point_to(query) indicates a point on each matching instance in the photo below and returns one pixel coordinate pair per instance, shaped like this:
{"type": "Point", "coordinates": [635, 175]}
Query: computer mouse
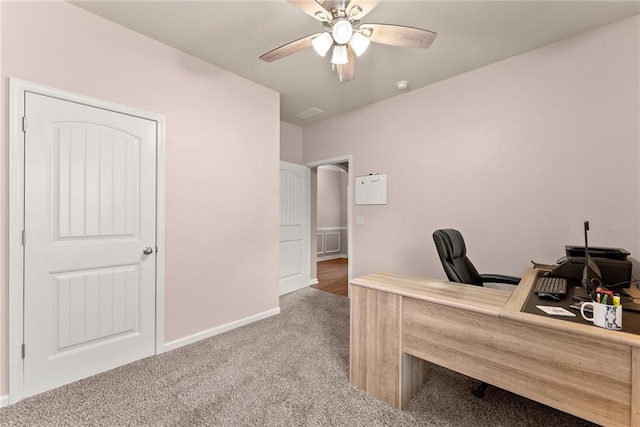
{"type": "Point", "coordinates": [554, 297]}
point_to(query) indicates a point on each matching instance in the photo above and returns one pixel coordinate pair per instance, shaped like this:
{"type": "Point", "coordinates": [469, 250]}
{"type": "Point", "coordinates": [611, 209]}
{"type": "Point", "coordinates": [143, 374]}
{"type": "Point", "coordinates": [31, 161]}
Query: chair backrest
{"type": "Point", "coordinates": [453, 255]}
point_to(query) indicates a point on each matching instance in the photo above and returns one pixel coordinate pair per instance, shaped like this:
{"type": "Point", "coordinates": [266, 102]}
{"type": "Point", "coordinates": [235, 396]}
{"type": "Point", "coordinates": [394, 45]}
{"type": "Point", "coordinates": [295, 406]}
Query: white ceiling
{"type": "Point", "coordinates": [471, 34]}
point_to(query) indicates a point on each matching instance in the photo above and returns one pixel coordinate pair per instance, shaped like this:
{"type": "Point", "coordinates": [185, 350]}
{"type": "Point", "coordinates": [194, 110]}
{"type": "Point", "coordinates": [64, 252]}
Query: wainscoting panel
{"type": "Point", "coordinates": [330, 242]}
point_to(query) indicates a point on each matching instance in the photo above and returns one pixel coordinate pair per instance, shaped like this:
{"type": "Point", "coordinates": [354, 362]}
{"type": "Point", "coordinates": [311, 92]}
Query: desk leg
{"type": "Point", "coordinates": [414, 374]}
{"type": "Point", "coordinates": [377, 363]}
{"type": "Point", "coordinates": [375, 356]}
{"type": "Point", "coordinates": [635, 386]}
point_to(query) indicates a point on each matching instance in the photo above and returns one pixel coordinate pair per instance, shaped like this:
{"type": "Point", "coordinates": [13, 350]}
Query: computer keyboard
{"type": "Point", "coordinates": [551, 285]}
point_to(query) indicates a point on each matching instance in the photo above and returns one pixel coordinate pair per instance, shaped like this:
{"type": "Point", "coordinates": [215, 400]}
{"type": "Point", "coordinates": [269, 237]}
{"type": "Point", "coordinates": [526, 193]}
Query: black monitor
{"type": "Point", "coordinates": [591, 277]}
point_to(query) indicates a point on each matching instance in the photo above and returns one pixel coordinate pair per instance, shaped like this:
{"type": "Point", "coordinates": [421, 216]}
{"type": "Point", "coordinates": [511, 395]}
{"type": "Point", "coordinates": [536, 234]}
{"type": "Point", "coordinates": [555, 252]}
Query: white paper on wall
{"type": "Point", "coordinates": [371, 189]}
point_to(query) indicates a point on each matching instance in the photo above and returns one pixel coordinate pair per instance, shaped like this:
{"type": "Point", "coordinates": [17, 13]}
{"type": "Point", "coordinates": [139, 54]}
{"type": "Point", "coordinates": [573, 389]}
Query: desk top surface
{"type": "Point", "coordinates": [494, 302]}
{"type": "Point", "coordinates": [469, 297]}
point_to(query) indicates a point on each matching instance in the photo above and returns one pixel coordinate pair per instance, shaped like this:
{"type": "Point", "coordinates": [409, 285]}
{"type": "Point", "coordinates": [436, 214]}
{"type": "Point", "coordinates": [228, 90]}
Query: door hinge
{"type": "Point", "coordinates": [24, 123]}
{"type": "Point", "coordinates": [23, 350]}
{"type": "Point", "coordinates": [24, 237]}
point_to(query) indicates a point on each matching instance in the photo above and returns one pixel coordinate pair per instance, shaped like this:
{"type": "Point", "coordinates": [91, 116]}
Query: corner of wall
{"type": "Point", "coordinates": [290, 143]}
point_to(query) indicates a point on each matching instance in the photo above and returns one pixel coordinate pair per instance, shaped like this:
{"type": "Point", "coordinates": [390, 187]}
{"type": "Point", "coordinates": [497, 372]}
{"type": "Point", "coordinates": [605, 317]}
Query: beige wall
{"type": "Point", "coordinates": [290, 143]}
{"type": "Point", "coordinates": [330, 208]}
{"type": "Point", "coordinates": [221, 257]}
{"type": "Point", "coordinates": [515, 155]}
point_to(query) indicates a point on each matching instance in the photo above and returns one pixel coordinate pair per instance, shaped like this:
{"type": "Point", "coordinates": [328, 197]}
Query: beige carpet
{"type": "Point", "coordinates": [288, 370]}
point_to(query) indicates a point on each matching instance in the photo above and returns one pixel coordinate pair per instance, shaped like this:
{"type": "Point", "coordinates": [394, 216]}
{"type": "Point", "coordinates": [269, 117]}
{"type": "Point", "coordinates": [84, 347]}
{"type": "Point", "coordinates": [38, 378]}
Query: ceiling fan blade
{"type": "Point", "coordinates": [346, 72]}
{"type": "Point", "coordinates": [289, 48]}
{"type": "Point", "coordinates": [365, 7]}
{"type": "Point", "coordinates": [313, 9]}
{"type": "Point", "coordinates": [399, 35]}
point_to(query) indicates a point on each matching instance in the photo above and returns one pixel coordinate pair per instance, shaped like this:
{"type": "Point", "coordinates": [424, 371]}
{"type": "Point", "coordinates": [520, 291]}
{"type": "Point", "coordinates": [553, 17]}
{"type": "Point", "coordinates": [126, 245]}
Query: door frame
{"type": "Point", "coordinates": [332, 161]}
{"type": "Point", "coordinates": [17, 91]}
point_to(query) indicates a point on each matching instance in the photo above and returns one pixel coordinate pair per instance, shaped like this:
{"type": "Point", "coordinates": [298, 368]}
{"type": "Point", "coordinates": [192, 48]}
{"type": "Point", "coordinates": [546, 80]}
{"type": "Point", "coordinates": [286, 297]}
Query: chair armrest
{"type": "Point", "coordinates": [500, 278]}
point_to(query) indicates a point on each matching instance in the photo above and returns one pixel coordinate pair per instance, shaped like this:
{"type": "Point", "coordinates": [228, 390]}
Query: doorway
{"type": "Point", "coordinates": [87, 223]}
{"type": "Point", "coordinates": [331, 248]}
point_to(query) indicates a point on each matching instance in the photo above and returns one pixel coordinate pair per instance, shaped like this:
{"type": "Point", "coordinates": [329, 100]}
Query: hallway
{"type": "Point", "coordinates": [333, 276]}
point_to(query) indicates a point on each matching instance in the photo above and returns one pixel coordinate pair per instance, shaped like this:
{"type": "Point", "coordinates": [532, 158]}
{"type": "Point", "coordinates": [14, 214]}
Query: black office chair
{"type": "Point", "coordinates": [453, 255]}
{"type": "Point", "coordinates": [457, 266]}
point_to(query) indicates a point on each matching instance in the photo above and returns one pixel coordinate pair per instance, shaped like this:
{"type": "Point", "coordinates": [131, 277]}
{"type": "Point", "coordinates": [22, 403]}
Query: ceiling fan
{"type": "Point", "coordinates": [348, 37]}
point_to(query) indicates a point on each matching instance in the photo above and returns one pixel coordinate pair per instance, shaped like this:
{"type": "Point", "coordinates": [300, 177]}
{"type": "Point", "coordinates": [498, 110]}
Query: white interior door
{"type": "Point", "coordinates": [90, 212]}
{"type": "Point", "coordinates": [294, 227]}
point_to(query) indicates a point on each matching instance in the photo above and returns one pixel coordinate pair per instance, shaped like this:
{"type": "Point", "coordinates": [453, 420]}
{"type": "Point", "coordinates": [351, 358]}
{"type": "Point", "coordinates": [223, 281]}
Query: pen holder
{"type": "Point", "coordinates": [605, 316]}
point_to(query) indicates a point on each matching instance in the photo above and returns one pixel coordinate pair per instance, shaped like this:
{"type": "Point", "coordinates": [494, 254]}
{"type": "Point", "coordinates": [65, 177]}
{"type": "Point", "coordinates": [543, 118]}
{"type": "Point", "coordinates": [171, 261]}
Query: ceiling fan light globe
{"type": "Point", "coordinates": [322, 44]}
{"type": "Point", "coordinates": [359, 43]}
{"type": "Point", "coordinates": [342, 31]}
{"type": "Point", "coordinates": [339, 56]}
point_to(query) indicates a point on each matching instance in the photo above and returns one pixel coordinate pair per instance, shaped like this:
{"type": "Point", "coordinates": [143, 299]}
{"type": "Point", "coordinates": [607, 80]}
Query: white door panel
{"type": "Point", "coordinates": [90, 209]}
{"type": "Point", "coordinates": [294, 249]}
{"type": "Point", "coordinates": [96, 172]}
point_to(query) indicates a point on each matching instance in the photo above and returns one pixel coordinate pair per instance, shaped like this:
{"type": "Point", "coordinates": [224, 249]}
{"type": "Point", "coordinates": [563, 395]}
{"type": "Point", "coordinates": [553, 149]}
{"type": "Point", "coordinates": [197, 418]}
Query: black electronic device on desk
{"type": "Point", "coordinates": [609, 266]}
{"type": "Point", "coordinates": [598, 252]}
{"type": "Point", "coordinates": [612, 264]}
{"type": "Point", "coordinates": [553, 288]}
{"type": "Point", "coordinates": [553, 283]}
{"type": "Point", "coordinates": [613, 271]}
{"type": "Point", "coordinates": [579, 277]}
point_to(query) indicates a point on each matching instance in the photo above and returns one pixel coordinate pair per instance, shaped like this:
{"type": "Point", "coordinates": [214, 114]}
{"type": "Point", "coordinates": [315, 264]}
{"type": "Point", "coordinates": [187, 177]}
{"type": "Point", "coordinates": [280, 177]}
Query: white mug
{"type": "Point", "coordinates": [605, 316]}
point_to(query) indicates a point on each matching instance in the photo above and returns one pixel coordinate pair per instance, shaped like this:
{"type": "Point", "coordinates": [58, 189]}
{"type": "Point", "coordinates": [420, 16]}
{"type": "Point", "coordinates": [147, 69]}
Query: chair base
{"type": "Point", "coordinates": [479, 391]}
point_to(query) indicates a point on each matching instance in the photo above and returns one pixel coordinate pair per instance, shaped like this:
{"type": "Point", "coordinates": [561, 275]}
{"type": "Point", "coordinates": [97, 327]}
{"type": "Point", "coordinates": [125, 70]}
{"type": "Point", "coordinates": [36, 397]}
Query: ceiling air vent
{"type": "Point", "coordinates": [309, 113]}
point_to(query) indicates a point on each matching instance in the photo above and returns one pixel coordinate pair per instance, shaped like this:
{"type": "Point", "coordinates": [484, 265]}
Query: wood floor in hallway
{"type": "Point", "coordinates": [332, 276]}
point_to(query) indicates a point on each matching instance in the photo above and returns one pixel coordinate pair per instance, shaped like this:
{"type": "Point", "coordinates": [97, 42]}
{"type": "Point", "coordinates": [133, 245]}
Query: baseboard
{"type": "Point", "coordinates": [172, 345]}
{"type": "Point", "coordinates": [313, 282]}
{"type": "Point", "coordinates": [4, 401]}
{"type": "Point", "coordinates": [330, 257]}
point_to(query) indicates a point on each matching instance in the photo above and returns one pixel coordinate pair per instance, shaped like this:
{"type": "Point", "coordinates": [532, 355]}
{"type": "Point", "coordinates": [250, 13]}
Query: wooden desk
{"type": "Point", "coordinates": [398, 323]}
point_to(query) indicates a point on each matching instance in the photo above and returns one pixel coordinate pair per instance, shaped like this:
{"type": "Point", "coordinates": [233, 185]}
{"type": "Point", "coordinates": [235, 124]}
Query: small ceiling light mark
{"type": "Point", "coordinates": [402, 85]}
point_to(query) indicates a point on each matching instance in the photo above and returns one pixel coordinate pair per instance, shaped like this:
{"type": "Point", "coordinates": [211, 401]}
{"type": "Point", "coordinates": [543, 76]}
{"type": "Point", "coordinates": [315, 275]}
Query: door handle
{"type": "Point", "coordinates": [147, 251]}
